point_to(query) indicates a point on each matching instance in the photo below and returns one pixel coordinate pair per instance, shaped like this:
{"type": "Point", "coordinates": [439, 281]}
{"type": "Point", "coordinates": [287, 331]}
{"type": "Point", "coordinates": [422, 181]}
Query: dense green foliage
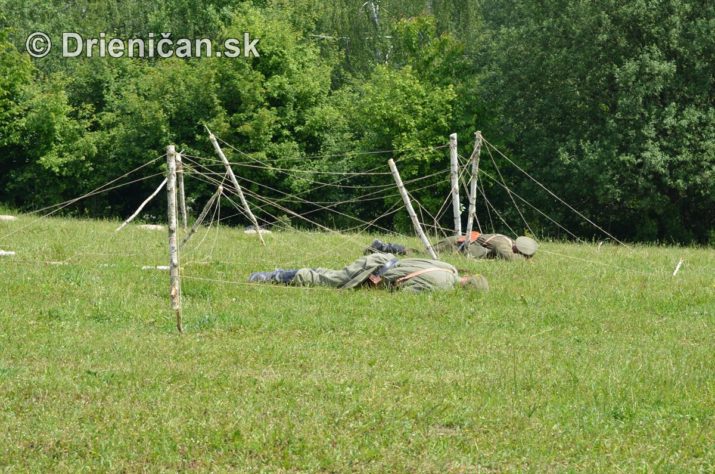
{"type": "Point", "coordinates": [615, 100]}
{"type": "Point", "coordinates": [537, 375]}
{"type": "Point", "coordinates": [610, 104]}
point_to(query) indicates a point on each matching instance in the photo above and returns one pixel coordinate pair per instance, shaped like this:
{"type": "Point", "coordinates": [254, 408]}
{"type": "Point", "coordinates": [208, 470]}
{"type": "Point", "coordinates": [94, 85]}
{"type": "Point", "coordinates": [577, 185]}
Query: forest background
{"type": "Point", "coordinates": [608, 103]}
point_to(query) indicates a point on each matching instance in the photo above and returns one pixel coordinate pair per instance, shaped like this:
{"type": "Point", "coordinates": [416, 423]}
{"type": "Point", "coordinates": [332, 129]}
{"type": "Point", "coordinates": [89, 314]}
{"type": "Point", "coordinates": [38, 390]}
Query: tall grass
{"type": "Point", "coordinates": [583, 359]}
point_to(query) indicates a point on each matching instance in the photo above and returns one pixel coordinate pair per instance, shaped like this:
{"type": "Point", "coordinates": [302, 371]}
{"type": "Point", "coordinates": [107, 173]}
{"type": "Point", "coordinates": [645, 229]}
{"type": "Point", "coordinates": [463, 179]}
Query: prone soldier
{"type": "Point", "coordinates": [493, 246]}
{"type": "Point", "coordinates": [381, 270]}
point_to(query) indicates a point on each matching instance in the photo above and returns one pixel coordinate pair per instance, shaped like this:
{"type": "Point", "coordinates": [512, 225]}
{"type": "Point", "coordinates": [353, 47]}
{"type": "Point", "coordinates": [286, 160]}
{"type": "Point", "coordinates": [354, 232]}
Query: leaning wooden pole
{"type": "Point", "coordinates": [175, 281]}
{"type": "Point", "coordinates": [411, 210]}
{"type": "Point", "coordinates": [239, 191]}
{"type": "Point", "coordinates": [473, 187]}
{"type": "Point", "coordinates": [454, 177]}
{"type": "Point", "coordinates": [182, 194]}
{"type": "Point", "coordinates": [202, 216]}
{"type": "Point", "coordinates": [141, 206]}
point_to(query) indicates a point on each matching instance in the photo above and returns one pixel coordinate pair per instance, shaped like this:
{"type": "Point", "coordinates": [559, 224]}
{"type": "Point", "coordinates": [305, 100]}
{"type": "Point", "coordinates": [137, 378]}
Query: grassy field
{"type": "Point", "coordinates": [583, 359]}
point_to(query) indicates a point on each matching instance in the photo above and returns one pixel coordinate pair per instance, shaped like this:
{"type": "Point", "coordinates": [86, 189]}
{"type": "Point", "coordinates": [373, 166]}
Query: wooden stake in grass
{"type": "Point", "coordinates": [677, 267]}
{"type": "Point", "coordinates": [454, 177]}
{"type": "Point", "coordinates": [141, 206]}
{"type": "Point", "coordinates": [410, 209]}
{"type": "Point", "coordinates": [175, 282]}
{"type": "Point", "coordinates": [202, 216]}
{"type": "Point", "coordinates": [237, 186]}
{"type": "Point", "coordinates": [473, 188]}
{"type": "Point", "coordinates": [182, 195]}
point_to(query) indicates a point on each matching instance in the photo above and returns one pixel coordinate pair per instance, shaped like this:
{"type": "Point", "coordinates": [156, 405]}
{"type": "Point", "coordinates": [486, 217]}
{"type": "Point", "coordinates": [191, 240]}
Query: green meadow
{"type": "Point", "coordinates": [586, 358]}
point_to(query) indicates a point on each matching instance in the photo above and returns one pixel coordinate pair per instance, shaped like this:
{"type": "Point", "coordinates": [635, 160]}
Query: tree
{"type": "Point", "coordinates": [611, 104]}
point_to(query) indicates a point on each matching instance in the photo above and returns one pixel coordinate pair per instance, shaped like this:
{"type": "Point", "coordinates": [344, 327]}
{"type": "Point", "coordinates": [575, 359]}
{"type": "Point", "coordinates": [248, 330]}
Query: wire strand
{"type": "Point", "coordinates": [580, 214]}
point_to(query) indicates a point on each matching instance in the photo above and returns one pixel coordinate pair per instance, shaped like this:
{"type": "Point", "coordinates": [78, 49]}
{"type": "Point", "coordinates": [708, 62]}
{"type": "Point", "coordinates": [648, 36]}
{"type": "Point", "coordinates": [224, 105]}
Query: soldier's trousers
{"type": "Point", "coordinates": [321, 277]}
{"type": "Point", "coordinates": [328, 277]}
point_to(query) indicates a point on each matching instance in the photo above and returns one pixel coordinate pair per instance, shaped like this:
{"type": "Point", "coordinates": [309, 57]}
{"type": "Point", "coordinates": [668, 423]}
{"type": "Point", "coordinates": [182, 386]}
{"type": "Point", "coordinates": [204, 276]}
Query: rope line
{"type": "Point", "coordinates": [287, 171]}
{"type": "Point", "coordinates": [443, 209]}
{"type": "Point", "coordinates": [274, 204]}
{"type": "Point", "coordinates": [554, 195]}
{"type": "Point", "coordinates": [195, 160]}
{"type": "Point", "coordinates": [494, 180]}
{"type": "Point", "coordinates": [272, 286]}
{"type": "Point", "coordinates": [508, 191]}
{"type": "Point", "coordinates": [339, 155]}
{"type": "Point", "coordinates": [489, 204]}
{"type": "Point", "coordinates": [72, 201]}
{"type": "Point", "coordinates": [329, 208]}
{"type": "Point", "coordinates": [99, 189]}
{"type": "Point", "coordinates": [608, 265]}
{"type": "Point", "coordinates": [298, 170]}
{"type": "Point", "coordinates": [308, 234]}
{"type": "Point", "coordinates": [466, 190]}
{"type": "Point", "coordinates": [330, 204]}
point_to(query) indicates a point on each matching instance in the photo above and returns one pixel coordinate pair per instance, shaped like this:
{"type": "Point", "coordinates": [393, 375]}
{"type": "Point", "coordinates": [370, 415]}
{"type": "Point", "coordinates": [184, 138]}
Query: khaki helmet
{"type": "Point", "coordinates": [475, 282]}
{"type": "Point", "coordinates": [526, 246]}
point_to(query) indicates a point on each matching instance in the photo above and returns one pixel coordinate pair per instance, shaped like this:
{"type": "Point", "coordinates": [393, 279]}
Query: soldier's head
{"type": "Point", "coordinates": [474, 282]}
{"type": "Point", "coordinates": [525, 246]}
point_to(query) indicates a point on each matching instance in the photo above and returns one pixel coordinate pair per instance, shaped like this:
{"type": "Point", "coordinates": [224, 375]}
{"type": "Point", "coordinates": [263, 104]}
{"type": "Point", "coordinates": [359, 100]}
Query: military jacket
{"type": "Point", "coordinates": [410, 274]}
{"type": "Point", "coordinates": [349, 277]}
{"type": "Point", "coordinates": [421, 274]}
{"type": "Point", "coordinates": [453, 244]}
{"type": "Point", "coordinates": [499, 246]}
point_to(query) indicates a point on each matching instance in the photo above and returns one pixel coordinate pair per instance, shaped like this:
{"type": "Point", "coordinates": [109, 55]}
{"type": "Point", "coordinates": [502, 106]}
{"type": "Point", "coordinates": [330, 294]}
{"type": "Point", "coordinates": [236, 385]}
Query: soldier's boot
{"type": "Point", "coordinates": [276, 276]}
{"type": "Point", "coordinates": [261, 277]}
{"type": "Point", "coordinates": [383, 247]}
{"type": "Point", "coordinates": [284, 276]}
{"type": "Point", "coordinates": [396, 249]}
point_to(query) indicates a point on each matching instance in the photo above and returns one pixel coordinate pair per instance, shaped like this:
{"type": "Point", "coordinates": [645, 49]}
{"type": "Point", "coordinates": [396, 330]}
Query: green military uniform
{"type": "Point", "coordinates": [410, 274]}
{"type": "Point", "coordinates": [349, 277]}
{"type": "Point", "coordinates": [481, 246]}
{"type": "Point", "coordinates": [498, 246]}
{"type": "Point", "coordinates": [454, 245]}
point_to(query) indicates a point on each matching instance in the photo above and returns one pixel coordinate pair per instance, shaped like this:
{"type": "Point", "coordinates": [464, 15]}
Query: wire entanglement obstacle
{"type": "Point", "coordinates": [258, 202]}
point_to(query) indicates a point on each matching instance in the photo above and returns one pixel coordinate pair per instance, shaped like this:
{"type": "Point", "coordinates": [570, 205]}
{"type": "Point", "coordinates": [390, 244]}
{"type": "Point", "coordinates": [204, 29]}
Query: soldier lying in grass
{"type": "Point", "coordinates": [480, 246]}
{"type": "Point", "coordinates": [380, 270]}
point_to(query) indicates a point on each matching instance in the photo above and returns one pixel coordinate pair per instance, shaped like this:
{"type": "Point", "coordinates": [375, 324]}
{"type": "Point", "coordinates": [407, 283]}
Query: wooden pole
{"type": "Point", "coordinates": [173, 248]}
{"type": "Point", "coordinates": [141, 206]}
{"type": "Point", "coordinates": [454, 176]}
{"type": "Point", "coordinates": [239, 191]}
{"type": "Point", "coordinates": [202, 216]}
{"type": "Point", "coordinates": [410, 209]}
{"type": "Point", "coordinates": [473, 188]}
{"type": "Point", "coordinates": [182, 195]}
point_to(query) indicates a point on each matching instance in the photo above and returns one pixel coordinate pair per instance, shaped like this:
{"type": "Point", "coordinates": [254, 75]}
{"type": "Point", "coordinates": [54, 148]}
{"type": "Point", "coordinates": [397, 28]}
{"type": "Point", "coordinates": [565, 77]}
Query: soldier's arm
{"type": "Point", "coordinates": [504, 250]}
{"type": "Point", "coordinates": [446, 245]}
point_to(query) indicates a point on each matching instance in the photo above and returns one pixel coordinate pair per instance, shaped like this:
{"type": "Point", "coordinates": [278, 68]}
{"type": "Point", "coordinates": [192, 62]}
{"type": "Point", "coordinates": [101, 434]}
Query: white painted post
{"type": "Point", "coordinates": [174, 279]}
{"type": "Point", "coordinates": [410, 209]}
{"type": "Point", "coordinates": [239, 191]}
{"type": "Point", "coordinates": [141, 206]}
{"type": "Point", "coordinates": [182, 195]}
{"type": "Point", "coordinates": [202, 216]}
{"type": "Point", "coordinates": [473, 188]}
{"type": "Point", "coordinates": [454, 176]}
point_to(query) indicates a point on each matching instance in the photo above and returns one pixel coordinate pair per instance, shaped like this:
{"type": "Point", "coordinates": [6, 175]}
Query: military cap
{"type": "Point", "coordinates": [476, 282]}
{"type": "Point", "coordinates": [526, 246]}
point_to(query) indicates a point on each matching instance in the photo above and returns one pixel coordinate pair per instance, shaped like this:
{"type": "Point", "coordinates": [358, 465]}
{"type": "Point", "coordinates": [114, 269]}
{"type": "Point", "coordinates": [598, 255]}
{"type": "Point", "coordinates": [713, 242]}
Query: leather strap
{"type": "Point", "coordinates": [421, 272]}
